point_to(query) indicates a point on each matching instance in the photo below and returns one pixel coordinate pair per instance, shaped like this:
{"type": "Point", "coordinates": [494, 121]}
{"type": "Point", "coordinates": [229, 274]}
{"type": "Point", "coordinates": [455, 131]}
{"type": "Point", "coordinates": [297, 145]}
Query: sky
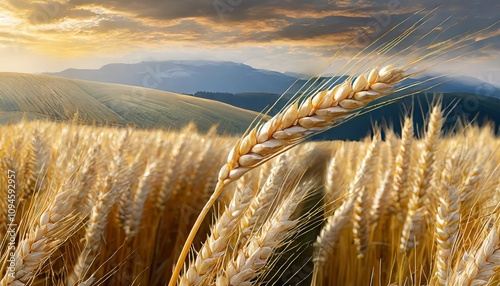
{"type": "Point", "coordinates": [294, 36]}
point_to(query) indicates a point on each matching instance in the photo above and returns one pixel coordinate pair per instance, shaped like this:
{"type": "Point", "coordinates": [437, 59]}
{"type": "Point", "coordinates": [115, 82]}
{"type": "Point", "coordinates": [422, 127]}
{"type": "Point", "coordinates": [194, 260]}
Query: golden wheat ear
{"type": "Point", "coordinates": [415, 218]}
{"type": "Point", "coordinates": [52, 223]}
{"type": "Point", "coordinates": [293, 125]}
{"type": "Point", "coordinates": [480, 267]}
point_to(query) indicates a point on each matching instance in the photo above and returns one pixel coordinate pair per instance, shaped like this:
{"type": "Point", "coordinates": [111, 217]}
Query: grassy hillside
{"type": "Point", "coordinates": [59, 99]}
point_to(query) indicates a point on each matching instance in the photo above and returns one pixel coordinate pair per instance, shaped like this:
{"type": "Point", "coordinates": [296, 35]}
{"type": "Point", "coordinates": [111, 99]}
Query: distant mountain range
{"type": "Point", "coordinates": [190, 77]}
{"type": "Point", "coordinates": [187, 76]}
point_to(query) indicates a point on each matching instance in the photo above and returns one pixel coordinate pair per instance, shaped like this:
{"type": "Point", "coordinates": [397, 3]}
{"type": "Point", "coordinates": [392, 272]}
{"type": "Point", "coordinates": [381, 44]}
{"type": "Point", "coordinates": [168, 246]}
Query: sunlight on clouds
{"type": "Point", "coordinates": [98, 10]}
{"type": "Point", "coordinates": [68, 25]}
{"type": "Point", "coordinates": [278, 35]}
{"type": "Point", "coordinates": [9, 19]}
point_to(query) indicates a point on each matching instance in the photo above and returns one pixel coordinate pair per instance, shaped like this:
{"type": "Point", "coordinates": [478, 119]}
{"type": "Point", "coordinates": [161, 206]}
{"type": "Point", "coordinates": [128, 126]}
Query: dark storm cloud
{"type": "Point", "coordinates": [308, 28]}
{"type": "Point", "coordinates": [228, 10]}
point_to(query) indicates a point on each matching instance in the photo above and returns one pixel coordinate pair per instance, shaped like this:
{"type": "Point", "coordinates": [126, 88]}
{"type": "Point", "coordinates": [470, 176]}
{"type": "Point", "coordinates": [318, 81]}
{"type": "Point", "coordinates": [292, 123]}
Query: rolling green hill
{"type": "Point", "coordinates": [53, 98]}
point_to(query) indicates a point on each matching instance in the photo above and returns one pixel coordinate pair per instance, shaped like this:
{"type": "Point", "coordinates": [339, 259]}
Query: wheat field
{"type": "Point", "coordinates": [96, 205]}
{"type": "Point", "coordinates": [113, 206]}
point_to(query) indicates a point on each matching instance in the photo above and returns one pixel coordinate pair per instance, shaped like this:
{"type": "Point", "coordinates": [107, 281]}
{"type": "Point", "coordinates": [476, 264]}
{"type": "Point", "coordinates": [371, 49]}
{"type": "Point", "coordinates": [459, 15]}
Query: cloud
{"type": "Point", "coordinates": [318, 28]}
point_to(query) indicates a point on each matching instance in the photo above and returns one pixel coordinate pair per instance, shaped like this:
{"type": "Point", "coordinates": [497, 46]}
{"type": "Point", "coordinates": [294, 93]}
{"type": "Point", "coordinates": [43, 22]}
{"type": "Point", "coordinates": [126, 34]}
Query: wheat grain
{"type": "Point", "coordinates": [88, 179]}
{"type": "Point", "coordinates": [165, 190]}
{"type": "Point", "coordinates": [297, 122]}
{"type": "Point", "coordinates": [332, 186]}
{"type": "Point", "coordinates": [365, 172]}
{"type": "Point", "coordinates": [381, 199]}
{"type": "Point", "coordinates": [110, 190]}
{"type": "Point", "coordinates": [330, 232]}
{"type": "Point", "coordinates": [198, 172]}
{"type": "Point", "coordinates": [124, 203]}
{"type": "Point", "coordinates": [35, 167]}
{"type": "Point", "coordinates": [468, 192]}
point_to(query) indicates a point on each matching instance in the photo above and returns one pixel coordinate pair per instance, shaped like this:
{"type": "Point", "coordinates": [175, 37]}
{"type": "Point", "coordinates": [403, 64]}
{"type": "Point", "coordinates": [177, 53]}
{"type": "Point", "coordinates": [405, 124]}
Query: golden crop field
{"type": "Point", "coordinates": [113, 206]}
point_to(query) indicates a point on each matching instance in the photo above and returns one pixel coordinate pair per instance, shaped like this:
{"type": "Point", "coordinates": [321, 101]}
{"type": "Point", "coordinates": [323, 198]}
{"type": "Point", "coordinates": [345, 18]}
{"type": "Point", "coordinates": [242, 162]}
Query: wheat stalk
{"type": "Point", "coordinates": [54, 225]}
{"type": "Point", "coordinates": [381, 198]}
{"type": "Point", "coordinates": [260, 205]}
{"type": "Point", "coordinates": [139, 199]}
{"type": "Point", "coordinates": [330, 232]}
{"type": "Point", "coordinates": [252, 257]}
{"type": "Point", "coordinates": [292, 126]}
{"type": "Point", "coordinates": [479, 267]}
{"type": "Point", "coordinates": [400, 181]}
{"type": "Point", "coordinates": [447, 223]}
{"type": "Point", "coordinates": [213, 249]}
{"type": "Point", "coordinates": [417, 209]}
